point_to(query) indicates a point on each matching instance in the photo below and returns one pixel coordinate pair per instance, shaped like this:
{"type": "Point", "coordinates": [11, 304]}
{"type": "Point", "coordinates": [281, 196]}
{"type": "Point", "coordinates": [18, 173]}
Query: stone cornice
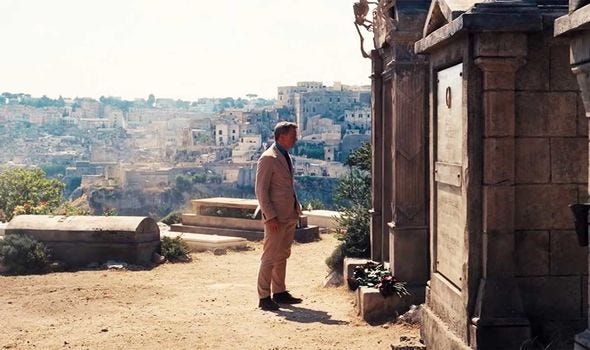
{"type": "Point", "coordinates": [488, 17]}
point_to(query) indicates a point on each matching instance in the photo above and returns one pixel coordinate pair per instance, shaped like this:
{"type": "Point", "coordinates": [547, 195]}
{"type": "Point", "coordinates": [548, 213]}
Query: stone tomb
{"type": "Point", "coordinates": [234, 217]}
{"type": "Point", "coordinates": [508, 153]}
{"type": "Point", "coordinates": [199, 242]}
{"type": "Point", "coordinates": [575, 28]}
{"type": "Point", "coordinates": [81, 240]}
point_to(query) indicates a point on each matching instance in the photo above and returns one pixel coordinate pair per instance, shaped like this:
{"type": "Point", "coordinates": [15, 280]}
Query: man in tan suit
{"type": "Point", "coordinates": [280, 213]}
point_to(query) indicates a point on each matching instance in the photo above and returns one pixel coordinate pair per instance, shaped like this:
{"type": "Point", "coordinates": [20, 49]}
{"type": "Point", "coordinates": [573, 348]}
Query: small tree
{"type": "Point", "coordinates": [28, 191]}
{"type": "Point", "coordinates": [354, 191]}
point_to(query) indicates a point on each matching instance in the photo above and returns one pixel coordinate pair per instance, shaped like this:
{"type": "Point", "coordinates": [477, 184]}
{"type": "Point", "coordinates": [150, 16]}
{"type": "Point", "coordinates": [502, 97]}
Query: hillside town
{"type": "Point", "coordinates": [147, 143]}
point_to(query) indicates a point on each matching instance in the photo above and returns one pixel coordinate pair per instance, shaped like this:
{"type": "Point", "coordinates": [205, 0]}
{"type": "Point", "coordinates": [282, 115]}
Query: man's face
{"type": "Point", "coordinates": [288, 140]}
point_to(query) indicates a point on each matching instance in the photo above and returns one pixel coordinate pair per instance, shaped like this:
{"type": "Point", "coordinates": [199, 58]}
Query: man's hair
{"type": "Point", "coordinates": [283, 128]}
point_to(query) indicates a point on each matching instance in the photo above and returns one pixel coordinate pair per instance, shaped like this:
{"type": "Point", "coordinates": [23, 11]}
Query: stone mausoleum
{"type": "Point", "coordinates": [480, 144]}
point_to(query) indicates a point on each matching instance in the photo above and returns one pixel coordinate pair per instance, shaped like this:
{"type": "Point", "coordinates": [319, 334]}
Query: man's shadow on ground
{"type": "Point", "coordinates": [304, 315]}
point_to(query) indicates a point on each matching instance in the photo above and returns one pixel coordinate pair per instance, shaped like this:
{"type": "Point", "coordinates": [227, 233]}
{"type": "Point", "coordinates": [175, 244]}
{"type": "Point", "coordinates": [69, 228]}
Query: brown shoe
{"type": "Point", "coordinates": [267, 304]}
{"type": "Point", "coordinates": [285, 298]}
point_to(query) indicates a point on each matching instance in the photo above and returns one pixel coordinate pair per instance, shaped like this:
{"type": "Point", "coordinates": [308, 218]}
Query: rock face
{"type": "Point", "coordinates": [160, 202]}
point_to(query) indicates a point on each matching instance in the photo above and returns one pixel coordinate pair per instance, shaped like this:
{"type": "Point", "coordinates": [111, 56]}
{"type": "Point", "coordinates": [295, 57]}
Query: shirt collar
{"type": "Point", "coordinates": [281, 148]}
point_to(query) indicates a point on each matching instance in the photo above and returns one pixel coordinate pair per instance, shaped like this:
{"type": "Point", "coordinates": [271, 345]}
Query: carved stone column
{"type": "Point", "coordinates": [408, 228]}
{"type": "Point", "coordinates": [576, 26]}
{"type": "Point", "coordinates": [377, 156]}
{"type": "Point", "coordinates": [499, 309]}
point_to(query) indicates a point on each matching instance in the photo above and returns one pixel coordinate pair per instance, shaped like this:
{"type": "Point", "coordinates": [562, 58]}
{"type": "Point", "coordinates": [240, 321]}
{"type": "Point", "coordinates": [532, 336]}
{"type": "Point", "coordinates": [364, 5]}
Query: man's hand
{"type": "Point", "coordinates": [273, 225]}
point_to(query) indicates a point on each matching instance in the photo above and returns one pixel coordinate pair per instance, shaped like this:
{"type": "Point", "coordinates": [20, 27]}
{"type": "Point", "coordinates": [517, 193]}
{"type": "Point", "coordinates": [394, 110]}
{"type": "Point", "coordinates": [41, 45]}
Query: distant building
{"type": "Point", "coordinates": [286, 94]}
{"type": "Point", "coordinates": [358, 120]}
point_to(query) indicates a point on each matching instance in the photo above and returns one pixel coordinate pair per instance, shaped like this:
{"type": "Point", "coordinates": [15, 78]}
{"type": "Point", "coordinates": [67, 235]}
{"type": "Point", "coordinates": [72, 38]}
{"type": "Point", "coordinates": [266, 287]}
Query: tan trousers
{"type": "Point", "coordinates": [276, 248]}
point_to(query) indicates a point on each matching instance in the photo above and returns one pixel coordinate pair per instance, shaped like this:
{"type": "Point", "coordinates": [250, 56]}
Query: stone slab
{"type": "Point", "coordinates": [225, 222]}
{"type": "Point", "coordinates": [3, 228]}
{"type": "Point", "coordinates": [569, 160]}
{"type": "Point", "coordinates": [222, 202]}
{"type": "Point", "coordinates": [533, 253]}
{"type": "Point", "coordinates": [322, 218]}
{"type": "Point", "coordinates": [435, 333]}
{"type": "Point", "coordinates": [576, 20]}
{"type": "Point", "coordinates": [200, 242]}
{"type": "Point", "coordinates": [449, 230]}
{"type": "Point", "coordinates": [302, 235]}
{"type": "Point", "coordinates": [375, 308]}
{"type": "Point", "coordinates": [349, 265]}
{"type": "Point", "coordinates": [567, 257]}
{"type": "Point", "coordinates": [539, 295]}
{"type": "Point", "coordinates": [533, 162]}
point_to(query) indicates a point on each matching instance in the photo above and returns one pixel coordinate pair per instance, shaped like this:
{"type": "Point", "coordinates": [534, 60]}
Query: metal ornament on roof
{"type": "Point", "coordinates": [382, 20]}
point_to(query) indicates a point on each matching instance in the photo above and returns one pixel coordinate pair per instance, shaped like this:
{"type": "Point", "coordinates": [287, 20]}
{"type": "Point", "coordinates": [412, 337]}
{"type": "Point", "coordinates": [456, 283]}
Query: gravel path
{"type": "Point", "coordinates": [209, 303]}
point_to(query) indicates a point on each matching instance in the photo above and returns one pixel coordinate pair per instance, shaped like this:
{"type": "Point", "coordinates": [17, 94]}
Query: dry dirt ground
{"type": "Point", "coordinates": [209, 303]}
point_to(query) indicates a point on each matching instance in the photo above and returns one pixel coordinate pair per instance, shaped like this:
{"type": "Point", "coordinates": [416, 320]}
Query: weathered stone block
{"type": "Point", "coordinates": [532, 253]}
{"type": "Point", "coordinates": [498, 160]}
{"type": "Point", "coordinates": [498, 259]}
{"type": "Point", "coordinates": [567, 257]}
{"type": "Point", "coordinates": [373, 307]}
{"type": "Point", "coordinates": [447, 303]}
{"type": "Point", "coordinates": [552, 297]}
{"type": "Point", "coordinates": [499, 337]}
{"type": "Point", "coordinates": [585, 296]}
{"type": "Point", "coordinates": [534, 75]}
{"type": "Point", "coordinates": [436, 334]}
{"type": "Point", "coordinates": [562, 333]}
{"type": "Point", "coordinates": [200, 242]}
{"type": "Point", "coordinates": [583, 195]}
{"type": "Point", "coordinates": [499, 113]}
{"type": "Point", "coordinates": [508, 44]}
{"type": "Point", "coordinates": [562, 78]}
{"type": "Point", "coordinates": [582, 340]}
{"type": "Point", "coordinates": [582, 119]}
{"type": "Point", "coordinates": [532, 160]}
{"type": "Point", "coordinates": [349, 265]}
{"type": "Point", "coordinates": [569, 160]}
{"type": "Point", "coordinates": [409, 255]}
{"type": "Point", "coordinates": [322, 218]}
{"type": "Point", "coordinates": [544, 207]}
{"type": "Point", "coordinates": [498, 204]}
{"type": "Point", "coordinates": [546, 113]}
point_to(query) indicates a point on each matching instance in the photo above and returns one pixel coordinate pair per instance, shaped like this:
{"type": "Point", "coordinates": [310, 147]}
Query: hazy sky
{"type": "Point", "coordinates": [176, 48]}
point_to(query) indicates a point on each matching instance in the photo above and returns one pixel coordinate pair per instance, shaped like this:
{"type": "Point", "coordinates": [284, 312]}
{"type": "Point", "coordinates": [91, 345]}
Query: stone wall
{"type": "Point", "coordinates": [551, 164]}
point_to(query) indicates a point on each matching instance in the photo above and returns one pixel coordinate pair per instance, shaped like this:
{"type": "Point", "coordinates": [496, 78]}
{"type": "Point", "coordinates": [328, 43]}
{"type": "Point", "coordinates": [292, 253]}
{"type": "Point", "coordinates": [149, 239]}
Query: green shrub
{"type": "Point", "coordinates": [173, 217]}
{"type": "Point", "coordinates": [174, 249]}
{"type": "Point", "coordinates": [354, 191]}
{"type": "Point", "coordinates": [334, 261]}
{"type": "Point", "coordinates": [21, 255]}
{"type": "Point", "coordinates": [377, 276]}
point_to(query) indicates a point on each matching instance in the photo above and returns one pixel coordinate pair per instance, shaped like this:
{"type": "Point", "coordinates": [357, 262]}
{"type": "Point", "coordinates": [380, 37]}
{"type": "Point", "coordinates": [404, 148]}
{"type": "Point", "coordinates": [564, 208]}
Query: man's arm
{"type": "Point", "coordinates": [262, 187]}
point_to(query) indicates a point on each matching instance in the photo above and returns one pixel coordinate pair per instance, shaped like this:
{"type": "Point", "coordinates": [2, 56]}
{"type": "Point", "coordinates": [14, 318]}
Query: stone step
{"type": "Point", "coordinates": [323, 218]}
{"type": "Point", "coordinates": [3, 228]}
{"type": "Point", "coordinates": [302, 235]}
{"type": "Point", "coordinates": [376, 309]}
{"type": "Point", "coordinates": [201, 242]}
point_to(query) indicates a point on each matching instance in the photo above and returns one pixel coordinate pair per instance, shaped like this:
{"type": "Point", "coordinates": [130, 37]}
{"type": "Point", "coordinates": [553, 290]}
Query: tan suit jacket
{"type": "Point", "coordinates": [274, 187]}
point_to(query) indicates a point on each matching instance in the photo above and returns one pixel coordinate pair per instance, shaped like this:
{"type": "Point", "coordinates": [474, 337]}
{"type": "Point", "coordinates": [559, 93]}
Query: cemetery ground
{"type": "Point", "coordinates": [209, 303]}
